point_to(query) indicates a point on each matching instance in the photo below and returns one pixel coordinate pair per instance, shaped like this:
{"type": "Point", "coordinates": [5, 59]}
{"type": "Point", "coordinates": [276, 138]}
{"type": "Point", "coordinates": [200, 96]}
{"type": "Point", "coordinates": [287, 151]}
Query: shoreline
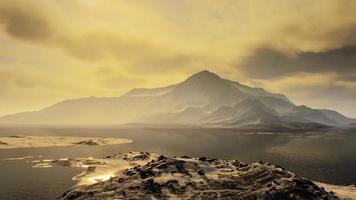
{"type": "Point", "coordinates": [26, 141]}
{"type": "Point", "coordinates": [344, 192]}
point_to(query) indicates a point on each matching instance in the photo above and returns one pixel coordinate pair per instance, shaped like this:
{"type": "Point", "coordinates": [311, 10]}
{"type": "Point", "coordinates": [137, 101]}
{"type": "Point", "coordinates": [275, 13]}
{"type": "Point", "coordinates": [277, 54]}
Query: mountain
{"type": "Point", "coordinates": [203, 99]}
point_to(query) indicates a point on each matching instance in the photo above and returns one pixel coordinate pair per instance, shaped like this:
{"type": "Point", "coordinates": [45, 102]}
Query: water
{"type": "Point", "coordinates": [329, 159]}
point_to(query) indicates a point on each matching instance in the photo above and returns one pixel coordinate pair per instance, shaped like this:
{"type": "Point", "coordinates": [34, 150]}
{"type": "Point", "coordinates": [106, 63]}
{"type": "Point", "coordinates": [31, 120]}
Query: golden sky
{"type": "Point", "coordinates": [51, 50]}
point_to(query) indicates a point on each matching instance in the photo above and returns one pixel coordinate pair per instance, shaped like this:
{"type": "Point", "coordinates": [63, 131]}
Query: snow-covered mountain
{"type": "Point", "coordinates": [203, 99]}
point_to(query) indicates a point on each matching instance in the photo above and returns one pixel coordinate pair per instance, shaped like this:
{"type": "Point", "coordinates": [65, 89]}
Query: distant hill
{"type": "Point", "coordinates": [203, 99]}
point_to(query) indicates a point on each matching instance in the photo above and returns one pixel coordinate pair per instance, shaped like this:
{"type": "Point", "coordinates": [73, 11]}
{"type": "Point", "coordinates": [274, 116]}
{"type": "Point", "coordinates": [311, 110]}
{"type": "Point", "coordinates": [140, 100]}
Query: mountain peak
{"type": "Point", "coordinates": [204, 75]}
{"type": "Point", "coordinates": [204, 90]}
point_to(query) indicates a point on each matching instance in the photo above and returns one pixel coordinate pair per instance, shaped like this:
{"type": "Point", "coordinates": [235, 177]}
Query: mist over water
{"type": "Point", "coordinates": [325, 158]}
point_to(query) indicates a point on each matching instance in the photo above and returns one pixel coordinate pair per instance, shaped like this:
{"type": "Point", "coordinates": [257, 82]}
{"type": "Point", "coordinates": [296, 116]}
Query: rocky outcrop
{"type": "Point", "coordinates": [151, 176]}
{"type": "Point", "coordinates": [87, 142]}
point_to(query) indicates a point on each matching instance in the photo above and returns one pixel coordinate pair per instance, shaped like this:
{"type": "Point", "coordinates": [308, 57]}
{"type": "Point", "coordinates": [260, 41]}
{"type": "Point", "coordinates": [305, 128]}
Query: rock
{"type": "Point", "coordinates": [146, 173]}
{"type": "Point", "coordinates": [162, 157]}
{"type": "Point", "coordinates": [186, 157]}
{"type": "Point", "coordinates": [212, 160]}
{"type": "Point", "coordinates": [202, 158]}
{"type": "Point", "coordinates": [152, 187]}
{"type": "Point", "coordinates": [201, 172]}
{"type": "Point", "coordinates": [16, 136]}
{"type": "Point", "coordinates": [161, 177]}
{"type": "Point", "coordinates": [89, 142]}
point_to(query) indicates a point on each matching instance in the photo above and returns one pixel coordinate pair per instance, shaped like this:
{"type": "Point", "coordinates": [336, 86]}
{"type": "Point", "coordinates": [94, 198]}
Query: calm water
{"type": "Point", "coordinates": [329, 159]}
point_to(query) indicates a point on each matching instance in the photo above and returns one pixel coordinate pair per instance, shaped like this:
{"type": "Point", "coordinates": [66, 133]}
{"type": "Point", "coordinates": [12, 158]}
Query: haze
{"type": "Point", "coordinates": [56, 50]}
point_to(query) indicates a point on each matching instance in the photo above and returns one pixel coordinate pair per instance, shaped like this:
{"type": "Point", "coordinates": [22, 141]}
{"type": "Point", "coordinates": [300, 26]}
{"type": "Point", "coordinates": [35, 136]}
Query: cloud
{"type": "Point", "coordinates": [137, 56]}
{"type": "Point", "coordinates": [22, 21]}
{"type": "Point", "coordinates": [6, 80]}
{"type": "Point", "coordinates": [13, 79]}
{"type": "Point", "coordinates": [111, 78]}
{"type": "Point", "coordinates": [49, 44]}
{"type": "Point", "coordinates": [270, 63]}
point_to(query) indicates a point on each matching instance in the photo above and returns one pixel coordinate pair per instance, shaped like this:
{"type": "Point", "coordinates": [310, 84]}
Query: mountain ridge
{"type": "Point", "coordinates": [194, 101]}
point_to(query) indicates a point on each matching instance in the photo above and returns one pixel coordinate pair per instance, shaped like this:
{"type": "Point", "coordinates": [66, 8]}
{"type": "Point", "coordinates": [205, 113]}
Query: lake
{"type": "Point", "coordinates": [328, 158]}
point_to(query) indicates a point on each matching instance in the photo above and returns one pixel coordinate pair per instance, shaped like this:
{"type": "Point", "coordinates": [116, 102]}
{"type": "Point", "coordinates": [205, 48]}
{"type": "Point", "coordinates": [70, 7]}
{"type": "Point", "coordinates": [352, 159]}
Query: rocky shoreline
{"type": "Point", "coordinates": [142, 175]}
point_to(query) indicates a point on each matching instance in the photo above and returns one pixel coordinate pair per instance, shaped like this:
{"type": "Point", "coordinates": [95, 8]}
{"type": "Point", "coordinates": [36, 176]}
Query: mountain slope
{"type": "Point", "coordinates": [222, 113]}
{"type": "Point", "coordinates": [203, 98]}
{"type": "Point", "coordinates": [306, 114]}
{"type": "Point", "coordinates": [337, 117]}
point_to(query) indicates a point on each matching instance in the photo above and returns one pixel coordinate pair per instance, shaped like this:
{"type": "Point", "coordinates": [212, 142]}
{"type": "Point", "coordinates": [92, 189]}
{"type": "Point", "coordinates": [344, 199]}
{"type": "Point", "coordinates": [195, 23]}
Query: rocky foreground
{"type": "Point", "coordinates": [152, 176]}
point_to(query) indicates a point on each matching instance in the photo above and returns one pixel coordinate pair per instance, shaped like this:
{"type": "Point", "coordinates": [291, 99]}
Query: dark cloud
{"type": "Point", "coordinates": [24, 23]}
{"type": "Point", "coordinates": [142, 56]}
{"type": "Point", "coordinates": [269, 63]}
